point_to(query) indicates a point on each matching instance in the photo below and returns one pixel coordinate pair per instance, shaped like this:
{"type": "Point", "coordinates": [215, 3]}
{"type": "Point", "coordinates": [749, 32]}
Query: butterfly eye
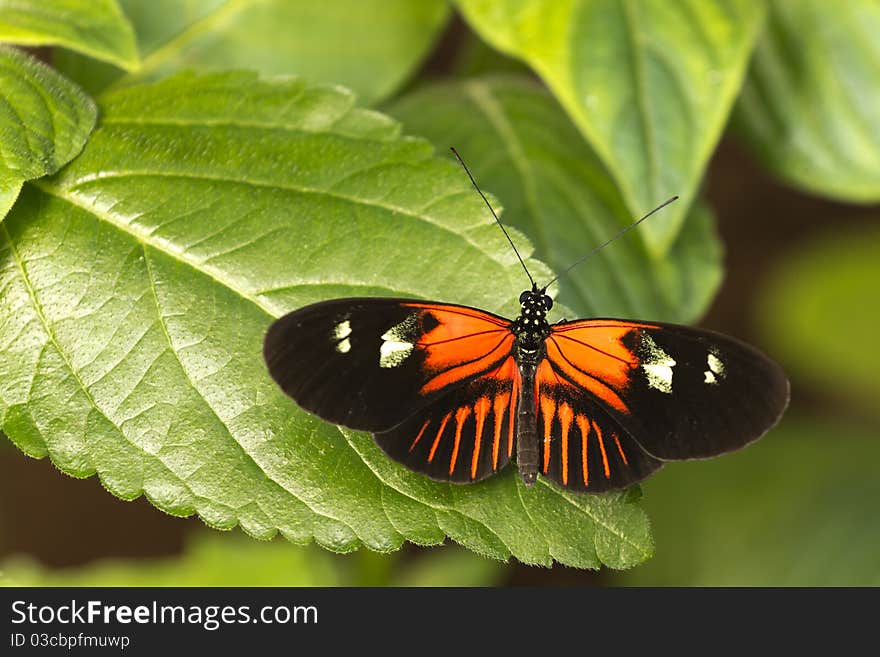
{"type": "Point", "coordinates": [548, 302]}
{"type": "Point", "coordinates": [524, 296]}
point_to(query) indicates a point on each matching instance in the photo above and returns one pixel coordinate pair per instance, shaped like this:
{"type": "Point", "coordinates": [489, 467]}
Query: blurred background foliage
{"type": "Point", "coordinates": [793, 188]}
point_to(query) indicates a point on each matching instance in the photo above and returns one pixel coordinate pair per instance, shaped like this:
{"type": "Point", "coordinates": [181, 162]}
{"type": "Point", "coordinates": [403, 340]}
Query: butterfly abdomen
{"type": "Point", "coordinates": [527, 426]}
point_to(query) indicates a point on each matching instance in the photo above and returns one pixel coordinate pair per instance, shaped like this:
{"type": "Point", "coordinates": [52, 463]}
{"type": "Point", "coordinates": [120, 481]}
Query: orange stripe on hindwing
{"type": "Point", "coordinates": [548, 410]}
{"type": "Point", "coordinates": [565, 417]}
{"type": "Point", "coordinates": [460, 416]}
{"type": "Point", "coordinates": [439, 434]}
{"type": "Point", "coordinates": [619, 449]}
{"type": "Point", "coordinates": [481, 410]}
{"type": "Point", "coordinates": [419, 437]}
{"type": "Point", "coordinates": [499, 408]}
{"type": "Point", "coordinates": [584, 427]}
{"type": "Point", "coordinates": [602, 449]}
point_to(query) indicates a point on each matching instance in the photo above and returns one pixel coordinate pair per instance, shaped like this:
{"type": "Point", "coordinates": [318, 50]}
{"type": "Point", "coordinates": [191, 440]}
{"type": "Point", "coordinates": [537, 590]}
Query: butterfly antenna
{"type": "Point", "coordinates": [606, 243]}
{"type": "Point", "coordinates": [489, 205]}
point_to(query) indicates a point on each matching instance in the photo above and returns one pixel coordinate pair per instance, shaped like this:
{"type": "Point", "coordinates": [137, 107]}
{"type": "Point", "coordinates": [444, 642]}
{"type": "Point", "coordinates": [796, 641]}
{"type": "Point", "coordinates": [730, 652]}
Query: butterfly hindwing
{"type": "Point", "coordinates": [371, 363]}
{"type": "Point", "coordinates": [465, 434]}
{"type": "Point", "coordinates": [581, 446]}
{"type": "Point", "coordinates": [679, 392]}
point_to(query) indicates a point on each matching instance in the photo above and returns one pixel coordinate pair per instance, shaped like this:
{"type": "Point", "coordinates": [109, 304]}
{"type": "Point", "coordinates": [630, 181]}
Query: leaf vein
{"type": "Point", "coordinates": [589, 512]}
{"type": "Point", "coordinates": [160, 319]}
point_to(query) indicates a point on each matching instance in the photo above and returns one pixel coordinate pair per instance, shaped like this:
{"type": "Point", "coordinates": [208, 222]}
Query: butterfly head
{"type": "Point", "coordinates": [535, 303]}
{"type": "Point", "coordinates": [531, 326]}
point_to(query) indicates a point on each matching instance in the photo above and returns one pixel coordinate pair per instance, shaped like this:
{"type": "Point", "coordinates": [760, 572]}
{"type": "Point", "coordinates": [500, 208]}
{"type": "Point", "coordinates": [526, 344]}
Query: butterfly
{"type": "Point", "coordinates": [456, 393]}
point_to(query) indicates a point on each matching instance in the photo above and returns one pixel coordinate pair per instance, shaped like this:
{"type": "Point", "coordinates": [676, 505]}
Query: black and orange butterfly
{"type": "Point", "coordinates": [455, 392]}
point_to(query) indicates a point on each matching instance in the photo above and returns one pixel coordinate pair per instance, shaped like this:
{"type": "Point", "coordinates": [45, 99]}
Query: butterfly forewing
{"type": "Point", "coordinates": [679, 392]}
{"type": "Point", "coordinates": [371, 364]}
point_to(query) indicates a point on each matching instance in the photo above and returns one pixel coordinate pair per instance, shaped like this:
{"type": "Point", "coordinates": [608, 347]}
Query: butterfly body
{"type": "Point", "coordinates": [531, 329]}
{"type": "Point", "coordinates": [455, 392]}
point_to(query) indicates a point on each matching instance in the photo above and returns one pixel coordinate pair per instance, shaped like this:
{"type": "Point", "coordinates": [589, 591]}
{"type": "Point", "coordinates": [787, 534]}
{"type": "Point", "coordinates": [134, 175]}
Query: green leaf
{"type": "Point", "coordinates": [96, 28]}
{"type": "Point", "coordinates": [649, 84]}
{"type": "Point", "coordinates": [44, 121]}
{"type": "Point", "coordinates": [370, 46]}
{"type": "Point", "coordinates": [9, 189]}
{"type": "Point", "coordinates": [136, 287]}
{"type": "Point", "coordinates": [798, 508]}
{"type": "Point", "coordinates": [519, 143]}
{"type": "Point", "coordinates": [809, 106]}
{"type": "Point", "coordinates": [820, 314]}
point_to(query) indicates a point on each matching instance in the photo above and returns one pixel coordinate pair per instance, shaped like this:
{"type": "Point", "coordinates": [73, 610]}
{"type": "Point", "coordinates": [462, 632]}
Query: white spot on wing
{"type": "Point", "coordinates": [657, 365]}
{"type": "Point", "coordinates": [396, 346]}
{"type": "Point", "coordinates": [341, 332]}
{"type": "Point", "coordinates": [393, 353]}
{"type": "Point", "coordinates": [715, 367]}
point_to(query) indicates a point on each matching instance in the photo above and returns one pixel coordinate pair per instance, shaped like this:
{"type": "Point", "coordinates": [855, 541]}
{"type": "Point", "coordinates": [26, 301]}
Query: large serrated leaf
{"type": "Point", "coordinates": [649, 84]}
{"type": "Point", "coordinates": [96, 28]}
{"type": "Point", "coordinates": [137, 284]}
{"type": "Point", "coordinates": [44, 121]}
{"type": "Point", "coordinates": [9, 189]}
{"type": "Point", "coordinates": [519, 143]}
{"type": "Point", "coordinates": [809, 105]}
{"type": "Point", "coordinates": [370, 46]}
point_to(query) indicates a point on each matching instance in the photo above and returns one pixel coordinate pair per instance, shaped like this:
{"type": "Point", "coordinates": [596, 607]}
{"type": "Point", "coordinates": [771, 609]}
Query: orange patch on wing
{"type": "Point", "coordinates": [548, 410]}
{"type": "Point", "coordinates": [565, 418]}
{"type": "Point", "coordinates": [461, 343]}
{"type": "Point", "coordinates": [601, 346]}
{"type": "Point", "coordinates": [454, 361]}
{"type": "Point", "coordinates": [460, 416]}
{"type": "Point", "coordinates": [481, 410]}
{"type": "Point", "coordinates": [584, 426]}
{"type": "Point", "coordinates": [619, 449]}
{"type": "Point", "coordinates": [439, 435]}
{"type": "Point", "coordinates": [596, 373]}
{"type": "Point", "coordinates": [499, 408]}
{"type": "Point", "coordinates": [592, 354]}
{"type": "Point", "coordinates": [602, 449]}
{"type": "Point", "coordinates": [419, 437]}
{"type": "Point", "coordinates": [511, 412]}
